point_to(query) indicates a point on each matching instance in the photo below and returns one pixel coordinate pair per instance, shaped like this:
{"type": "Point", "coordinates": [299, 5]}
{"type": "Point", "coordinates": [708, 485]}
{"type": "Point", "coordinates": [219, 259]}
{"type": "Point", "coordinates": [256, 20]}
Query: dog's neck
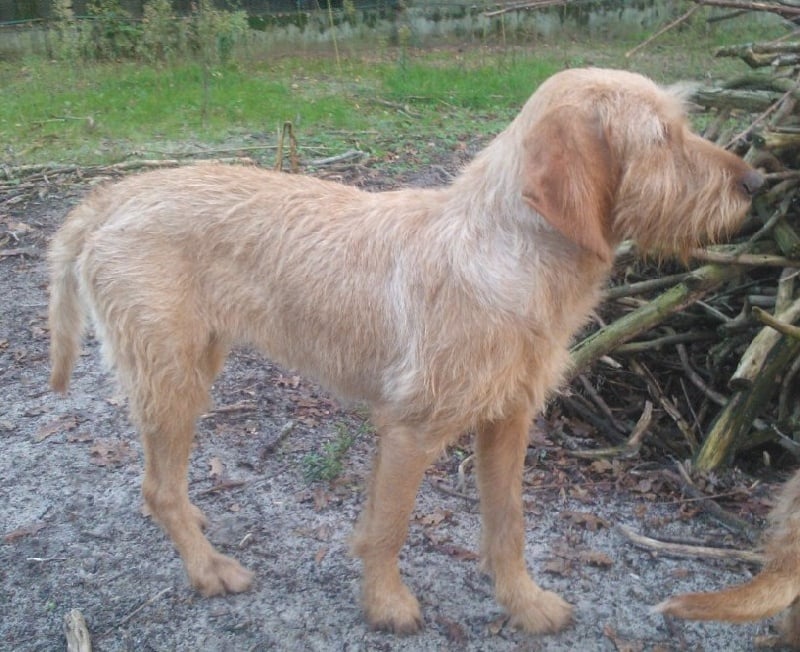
{"type": "Point", "coordinates": [507, 252]}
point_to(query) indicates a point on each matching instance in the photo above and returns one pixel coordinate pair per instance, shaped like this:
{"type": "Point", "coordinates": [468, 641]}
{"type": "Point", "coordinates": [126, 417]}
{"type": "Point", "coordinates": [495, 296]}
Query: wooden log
{"type": "Point", "coordinates": [754, 358]}
{"type": "Point", "coordinates": [744, 100]}
{"type": "Point", "coordinates": [784, 10]}
{"type": "Point", "coordinates": [733, 423]}
{"type": "Point", "coordinates": [787, 238]}
{"type": "Point", "coordinates": [696, 285]}
{"type": "Point", "coordinates": [777, 140]}
{"type": "Point", "coordinates": [76, 632]}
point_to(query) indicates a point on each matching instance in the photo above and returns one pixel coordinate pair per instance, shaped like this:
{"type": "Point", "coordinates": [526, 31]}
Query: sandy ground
{"type": "Point", "coordinates": [74, 536]}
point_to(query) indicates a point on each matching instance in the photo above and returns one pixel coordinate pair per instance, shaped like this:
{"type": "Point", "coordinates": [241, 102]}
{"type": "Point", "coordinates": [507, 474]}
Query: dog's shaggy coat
{"type": "Point", "coordinates": [775, 588]}
{"type": "Point", "coordinates": [445, 310]}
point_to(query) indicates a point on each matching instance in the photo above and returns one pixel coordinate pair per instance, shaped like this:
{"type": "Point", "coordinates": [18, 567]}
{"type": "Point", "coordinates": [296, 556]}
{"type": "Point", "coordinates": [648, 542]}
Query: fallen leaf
{"type": "Point", "coordinates": [110, 452]}
{"type": "Point", "coordinates": [19, 227]}
{"type": "Point", "coordinates": [321, 499]}
{"type": "Point", "coordinates": [323, 533]}
{"type": "Point", "coordinates": [24, 531]}
{"type": "Point", "coordinates": [496, 626]}
{"type": "Point", "coordinates": [558, 567]}
{"type": "Point", "coordinates": [601, 466]}
{"type": "Point", "coordinates": [457, 552]}
{"type": "Point", "coordinates": [292, 382]}
{"type": "Point", "coordinates": [435, 518]}
{"type": "Point", "coordinates": [79, 437]}
{"type": "Point", "coordinates": [591, 522]}
{"type": "Point", "coordinates": [217, 469]}
{"type": "Point", "coordinates": [454, 631]}
{"type": "Point", "coordinates": [620, 644]}
{"type": "Point", "coordinates": [594, 558]}
{"type": "Point", "coordinates": [64, 423]}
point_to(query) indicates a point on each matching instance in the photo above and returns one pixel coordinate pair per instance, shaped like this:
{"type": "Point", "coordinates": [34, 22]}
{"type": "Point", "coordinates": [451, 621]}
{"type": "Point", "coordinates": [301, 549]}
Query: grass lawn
{"type": "Point", "coordinates": [385, 102]}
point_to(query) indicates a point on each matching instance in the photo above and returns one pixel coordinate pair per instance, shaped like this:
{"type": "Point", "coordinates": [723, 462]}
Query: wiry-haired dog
{"type": "Point", "coordinates": [445, 310]}
{"type": "Point", "coordinates": [775, 588]}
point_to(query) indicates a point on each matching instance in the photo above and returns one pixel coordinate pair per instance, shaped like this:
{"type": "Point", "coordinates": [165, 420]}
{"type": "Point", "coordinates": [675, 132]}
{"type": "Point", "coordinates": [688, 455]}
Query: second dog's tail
{"type": "Point", "coordinates": [66, 313]}
{"type": "Point", "coordinates": [767, 594]}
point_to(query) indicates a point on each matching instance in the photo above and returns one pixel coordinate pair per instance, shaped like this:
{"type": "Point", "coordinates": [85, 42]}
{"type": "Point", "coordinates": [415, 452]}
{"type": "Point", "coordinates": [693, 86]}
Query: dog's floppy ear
{"type": "Point", "coordinates": [569, 178]}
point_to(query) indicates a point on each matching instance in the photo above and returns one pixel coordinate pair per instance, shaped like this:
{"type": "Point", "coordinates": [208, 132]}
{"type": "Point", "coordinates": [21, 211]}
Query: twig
{"type": "Point", "coordinates": [786, 11]}
{"type": "Point", "coordinates": [124, 166]}
{"type": "Point", "coordinates": [697, 381]}
{"type": "Point", "coordinates": [520, 6]}
{"type": "Point", "coordinates": [402, 108]}
{"type": "Point", "coordinates": [667, 340]}
{"type": "Point", "coordinates": [781, 326]}
{"type": "Point", "coordinates": [294, 166]}
{"type": "Point", "coordinates": [349, 154]}
{"type": "Point", "coordinates": [629, 448]}
{"type": "Point", "coordinates": [666, 404]}
{"type": "Point", "coordinates": [787, 389]}
{"type": "Point", "coordinates": [440, 486]}
{"type": "Point", "coordinates": [244, 406]}
{"type": "Point", "coordinates": [649, 285]}
{"type": "Point", "coordinates": [763, 116]}
{"type": "Point", "coordinates": [224, 486]}
{"type": "Point", "coordinates": [462, 471]}
{"type": "Point", "coordinates": [272, 446]}
{"type": "Point", "coordinates": [685, 550]}
{"type": "Point", "coordinates": [697, 284]}
{"type": "Point", "coordinates": [133, 613]}
{"type": "Point", "coordinates": [599, 402]}
{"type": "Point", "coordinates": [664, 29]}
{"type": "Point", "coordinates": [731, 521]}
{"type": "Point", "coordinates": [751, 260]}
{"type": "Point", "coordinates": [31, 252]}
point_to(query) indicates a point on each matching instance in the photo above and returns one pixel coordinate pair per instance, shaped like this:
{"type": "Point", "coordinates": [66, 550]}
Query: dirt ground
{"type": "Point", "coordinates": [74, 535]}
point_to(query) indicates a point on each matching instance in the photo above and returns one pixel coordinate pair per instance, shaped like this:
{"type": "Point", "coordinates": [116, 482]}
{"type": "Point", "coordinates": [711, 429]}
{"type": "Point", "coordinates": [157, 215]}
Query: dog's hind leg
{"type": "Point", "coordinates": [382, 528]}
{"type": "Point", "coordinates": [169, 393]}
{"type": "Point", "coordinates": [500, 454]}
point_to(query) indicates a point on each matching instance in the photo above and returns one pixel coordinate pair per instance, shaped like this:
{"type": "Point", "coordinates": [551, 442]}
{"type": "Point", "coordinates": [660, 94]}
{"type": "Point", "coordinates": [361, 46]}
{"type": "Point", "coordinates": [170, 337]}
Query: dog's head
{"type": "Point", "coordinates": [608, 155]}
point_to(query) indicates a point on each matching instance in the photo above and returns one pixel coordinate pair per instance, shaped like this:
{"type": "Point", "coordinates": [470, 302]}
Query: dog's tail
{"type": "Point", "coordinates": [67, 314]}
{"type": "Point", "coordinates": [765, 595]}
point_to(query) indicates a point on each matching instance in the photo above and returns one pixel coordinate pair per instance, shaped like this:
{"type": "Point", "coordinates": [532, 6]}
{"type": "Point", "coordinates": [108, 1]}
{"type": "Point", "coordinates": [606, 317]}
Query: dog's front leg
{"type": "Point", "coordinates": [500, 453]}
{"type": "Point", "coordinates": [382, 529]}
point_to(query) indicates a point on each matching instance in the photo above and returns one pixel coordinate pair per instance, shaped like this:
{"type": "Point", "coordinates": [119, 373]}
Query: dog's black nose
{"type": "Point", "coordinates": [751, 182]}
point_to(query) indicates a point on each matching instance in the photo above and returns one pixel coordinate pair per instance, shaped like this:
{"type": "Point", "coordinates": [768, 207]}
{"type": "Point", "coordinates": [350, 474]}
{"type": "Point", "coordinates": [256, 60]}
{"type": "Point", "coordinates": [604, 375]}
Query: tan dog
{"type": "Point", "coordinates": [446, 310]}
{"type": "Point", "coordinates": [771, 591]}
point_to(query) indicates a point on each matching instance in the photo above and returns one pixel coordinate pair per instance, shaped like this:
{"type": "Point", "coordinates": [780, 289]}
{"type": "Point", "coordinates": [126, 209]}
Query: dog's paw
{"type": "Point", "coordinates": [396, 611]}
{"type": "Point", "coordinates": [218, 574]}
{"type": "Point", "coordinates": [541, 613]}
{"type": "Point", "coordinates": [532, 609]}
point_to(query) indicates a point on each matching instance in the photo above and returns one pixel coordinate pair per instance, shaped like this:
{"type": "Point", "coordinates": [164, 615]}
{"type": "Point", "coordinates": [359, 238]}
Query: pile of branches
{"type": "Point", "coordinates": [711, 354]}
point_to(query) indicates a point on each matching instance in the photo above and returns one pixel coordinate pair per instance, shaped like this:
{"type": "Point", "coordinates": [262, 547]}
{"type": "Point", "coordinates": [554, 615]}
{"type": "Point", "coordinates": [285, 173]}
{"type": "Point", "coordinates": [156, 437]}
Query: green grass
{"type": "Point", "coordinates": [398, 104]}
{"type": "Point", "coordinates": [327, 464]}
{"type": "Point", "coordinates": [99, 112]}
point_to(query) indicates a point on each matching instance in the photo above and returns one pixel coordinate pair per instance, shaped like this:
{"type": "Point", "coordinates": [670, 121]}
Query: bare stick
{"type": "Point", "coordinates": [631, 447]}
{"type": "Point", "coordinates": [77, 633]}
{"type": "Point", "coordinates": [787, 11]}
{"type": "Point", "coordinates": [751, 260]}
{"type": "Point", "coordinates": [685, 550]}
{"type": "Point", "coordinates": [663, 30]}
{"type": "Point", "coordinates": [781, 326]}
{"type": "Point", "coordinates": [133, 613]}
